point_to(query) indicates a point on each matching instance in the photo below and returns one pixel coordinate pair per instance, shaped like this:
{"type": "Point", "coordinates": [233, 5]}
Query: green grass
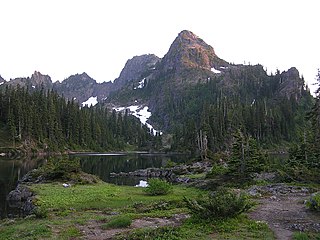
{"type": "Point", "coordinates": [69, 208]}
{"type": "Point", "coordinates": [25, 229]}
{"type": "Point", "coordinates": [239, 228]}
{"type": "Point", "coordinates": [100, 196]}
{"type": "Point", "coordinates": [121, 221]}
{"type": "Point", "coordinates": [306, 236]}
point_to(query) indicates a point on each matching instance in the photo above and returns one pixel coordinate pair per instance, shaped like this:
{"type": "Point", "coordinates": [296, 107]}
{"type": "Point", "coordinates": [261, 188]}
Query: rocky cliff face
{"type": "Point", "coordinates": [78, 87]}
{"type": "Point", "coordinates": [135, 69]}
{"type": "Point", "coordinates": [291, 84]}
{"type": "Point", "coordinates": [37, 80]}
{"type": "Point", "coordinates": [2, 81]}
{"type": "Point", "coordinates": [189, 51]}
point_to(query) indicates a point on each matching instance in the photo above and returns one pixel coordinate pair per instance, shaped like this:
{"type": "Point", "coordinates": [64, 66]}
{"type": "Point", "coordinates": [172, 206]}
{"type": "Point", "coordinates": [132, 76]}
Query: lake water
{"type": "Point", "coordinates": [11, 170]}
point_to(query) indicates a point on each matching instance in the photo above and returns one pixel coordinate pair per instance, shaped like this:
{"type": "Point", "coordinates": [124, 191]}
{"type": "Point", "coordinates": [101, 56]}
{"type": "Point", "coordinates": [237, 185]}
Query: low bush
{"type": "Point", "coordinates": [118, 222]}
{"type": "Point", "coordinates": [217, 169]}
{"type": "Point", "coordinates": [314, 202]}
{"type": "Point", "coordinates": [223, 203]}
{"type": "Point", "coordinates": [158, 187]}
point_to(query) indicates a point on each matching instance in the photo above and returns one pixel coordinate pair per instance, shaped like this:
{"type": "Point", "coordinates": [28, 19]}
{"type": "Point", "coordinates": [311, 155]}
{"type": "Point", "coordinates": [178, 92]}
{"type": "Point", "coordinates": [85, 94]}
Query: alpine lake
{"type": "Point", "coordinates": [99, 164]}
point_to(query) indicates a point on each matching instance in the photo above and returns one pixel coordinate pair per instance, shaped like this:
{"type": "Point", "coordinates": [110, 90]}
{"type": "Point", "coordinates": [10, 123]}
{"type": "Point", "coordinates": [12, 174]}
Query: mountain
{"type": "Point", "coordinates": [2, 81]}
{"type": "Point", "coordinates": [192, 89]}
{"type": "Point", "coordinates": [36, 80]}
{"type": "Point", "coordinates": [80, 87]}
{"type": "Point", "coordinates": [135, 68]}
{"type": "Point", "coordinates": [188, 51]}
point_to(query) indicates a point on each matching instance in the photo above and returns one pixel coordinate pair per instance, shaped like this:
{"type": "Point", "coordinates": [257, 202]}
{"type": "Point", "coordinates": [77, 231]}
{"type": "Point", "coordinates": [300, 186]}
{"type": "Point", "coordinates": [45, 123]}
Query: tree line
{"type": "Point", "coordinates": [250, 100]}
{"type": "Point", "coordinates": [49, 121]}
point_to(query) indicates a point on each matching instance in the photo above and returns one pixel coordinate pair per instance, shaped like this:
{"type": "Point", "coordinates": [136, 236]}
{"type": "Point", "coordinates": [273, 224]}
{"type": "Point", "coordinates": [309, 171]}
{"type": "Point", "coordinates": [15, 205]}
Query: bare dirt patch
{"type": "Point", "coordinates": [92, 230]}
{"type": "Point", "coordinates": [283, 208]}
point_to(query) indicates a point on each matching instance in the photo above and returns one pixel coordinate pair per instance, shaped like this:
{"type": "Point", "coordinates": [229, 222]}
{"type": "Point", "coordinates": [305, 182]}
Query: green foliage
{"type": "Point", "coordinates": [99, 196]}
{"type": "Point", "coordinates": [158, 187]}
{"type": "Point", "coordinates": [40, 212]}
{"type": "Point", "coordinates": [314, 202]}
{"type": "Point", "coordinates": [245, 97]}
{"type": "Point", "coordinates": [304, 157]}
{"type": "Point", "coordinates": [49, 122]}
{"type": "Point", "coordinates": [305, 236]}
{"type": "Point", "coordinates": [216, 170]}
{"type": "Point", "coordinates": [60, 168]}
{"type": "Point", "coordinates": [71, 232]}
{"type": "Point", "coordinates": [121, 221]}
{"type": "Point", "coordinates": [246, 157]}
{"type": "Point", "coordinates": [221, 204]}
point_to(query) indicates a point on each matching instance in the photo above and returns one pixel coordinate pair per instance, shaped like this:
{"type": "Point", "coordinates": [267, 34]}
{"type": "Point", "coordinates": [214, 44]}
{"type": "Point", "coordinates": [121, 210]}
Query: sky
{"type": "Point", "coordinates": [64, 37]}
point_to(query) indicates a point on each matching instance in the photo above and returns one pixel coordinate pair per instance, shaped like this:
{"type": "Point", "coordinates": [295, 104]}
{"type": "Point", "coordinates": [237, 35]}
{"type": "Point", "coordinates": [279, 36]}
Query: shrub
{"type": "Point", "coordinates": [217, 169]}
{"type": "Point", "coordinates": [314, 202]}
{"type": "Point", "coordinates": [60, 168]}
{"type": "Point", "coordinates": [223, 203]}
{"type": "Point", "coordinates": [118, 222]}
{"type": "Point", "coordinates": [158, 187]}
{"type": "Point", "coordinates": [40, 212]}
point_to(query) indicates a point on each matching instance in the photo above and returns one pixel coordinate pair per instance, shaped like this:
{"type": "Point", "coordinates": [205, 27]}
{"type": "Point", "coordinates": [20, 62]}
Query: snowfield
{"type": "Point", "coordinates": [141, 112]}
{"type": "Point", "coordinates": [215, 70]}
{"type": "Point", "coordinates": [90, 102]}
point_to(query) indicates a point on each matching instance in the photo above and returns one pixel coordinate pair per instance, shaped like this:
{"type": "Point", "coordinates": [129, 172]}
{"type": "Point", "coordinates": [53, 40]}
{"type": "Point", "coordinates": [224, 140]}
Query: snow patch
{"type": "Point", "coordinates": [90, 102]}
{"type": "Point", "coordinates": [141, 112]}
{"type": "Point", "coordinates": [33, 86]}
{"type": "Point", "coordinates": [223, 67]}
{"type": "Point", "coordinates": [254, 100]}
{"type": "Point", "coordinates": [1, 83]}
{"type": "Point", "coordinates": [215, 70]}
{"type": "Point", "coordinates": [142, 183]}
{"type": "Point", "coordinates": [141, 84]}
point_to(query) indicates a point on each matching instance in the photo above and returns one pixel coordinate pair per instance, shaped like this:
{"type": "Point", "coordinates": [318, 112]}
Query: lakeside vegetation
{"type": "Point", "coordinates": [40, 120]}
{"type": "Point", "coordinates": [63, 210]}
{"type": "Point", "coordinates": [44, 120]}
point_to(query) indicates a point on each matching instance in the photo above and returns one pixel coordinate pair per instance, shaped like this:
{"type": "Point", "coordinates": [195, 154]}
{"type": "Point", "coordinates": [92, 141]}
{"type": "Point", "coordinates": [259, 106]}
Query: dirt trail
{"type": "Point", "coordinates": [93, 229]}
{"type": "Point", "coordinates": [285, 212]}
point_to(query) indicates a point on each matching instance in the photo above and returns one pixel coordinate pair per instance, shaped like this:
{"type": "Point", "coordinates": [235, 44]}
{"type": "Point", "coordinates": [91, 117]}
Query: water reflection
{"type": "Point", "coordinates": [102, 165]}
{"type": "Point", "coordinates": [12, 170]}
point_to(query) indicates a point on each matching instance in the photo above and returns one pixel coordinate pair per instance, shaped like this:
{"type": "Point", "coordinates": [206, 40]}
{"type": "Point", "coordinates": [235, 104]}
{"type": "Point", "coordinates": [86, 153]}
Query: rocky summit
{"type": "Point", "coordinates": [189, 51]}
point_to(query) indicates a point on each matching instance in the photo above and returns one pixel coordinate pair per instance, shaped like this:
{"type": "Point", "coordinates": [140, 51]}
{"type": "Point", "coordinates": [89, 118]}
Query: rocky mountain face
{"type": "Point", "coordinates": [164, 85]}
{"type": "Point", "coordinates": [135, 68]}
{"type": "Point", "coordinates": [188, 51]}
{"type": "Point", "coordinates": [36, 80]}
{"type": "Point", "coordinates": [2, 81]}
{"type": "Point", "coordinates": [81, 87]}
{"type": "Point", "coordinates": [291, 84]}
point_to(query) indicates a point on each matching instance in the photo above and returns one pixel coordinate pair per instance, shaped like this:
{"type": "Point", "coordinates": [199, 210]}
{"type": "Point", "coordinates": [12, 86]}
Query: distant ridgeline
{"type": "Point", "coordinates": [43, 120]}
{"type": "Point", "coordinates": [192, 89]}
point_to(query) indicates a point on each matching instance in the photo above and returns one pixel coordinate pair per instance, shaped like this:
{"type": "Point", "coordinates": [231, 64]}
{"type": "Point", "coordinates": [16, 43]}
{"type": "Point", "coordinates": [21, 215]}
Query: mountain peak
{"type": "Point", "coordinates": [186, 34]}
{"type": "Point", "coordinates": [189, 51]}
{"type": "Point", "coordinates": [135, 67]}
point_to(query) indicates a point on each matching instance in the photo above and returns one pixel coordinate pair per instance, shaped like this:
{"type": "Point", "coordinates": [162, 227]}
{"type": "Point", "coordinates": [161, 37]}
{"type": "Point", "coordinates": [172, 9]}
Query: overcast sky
{"type": "Point", "coordinates": [64, 37]}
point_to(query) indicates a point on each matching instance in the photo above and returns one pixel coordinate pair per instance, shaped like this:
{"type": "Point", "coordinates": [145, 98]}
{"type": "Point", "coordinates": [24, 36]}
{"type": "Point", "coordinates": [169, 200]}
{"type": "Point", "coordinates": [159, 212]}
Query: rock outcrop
{"type": "Point", "coordinates": [291, 84]}
{"type": "Point", "coordinates": [21, 199]}
{"type": "Point", "coordinates": [135, 69]}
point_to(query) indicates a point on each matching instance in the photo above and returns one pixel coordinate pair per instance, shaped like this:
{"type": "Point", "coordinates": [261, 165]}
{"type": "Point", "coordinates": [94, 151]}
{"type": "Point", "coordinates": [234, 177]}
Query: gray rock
{"type": "Point", "coordinates": [21, 199]}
